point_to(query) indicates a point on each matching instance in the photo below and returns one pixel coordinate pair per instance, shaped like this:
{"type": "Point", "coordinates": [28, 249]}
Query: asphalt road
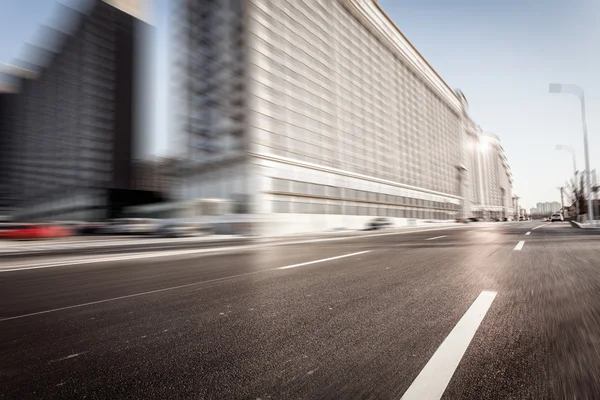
{"type": "Point", "coordinates": [375, 317]}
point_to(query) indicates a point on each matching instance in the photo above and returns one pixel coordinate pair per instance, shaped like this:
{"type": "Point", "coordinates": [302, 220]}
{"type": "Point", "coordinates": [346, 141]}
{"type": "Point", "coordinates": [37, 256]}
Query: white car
{"type": "Point", "coordinates": [556, 217]}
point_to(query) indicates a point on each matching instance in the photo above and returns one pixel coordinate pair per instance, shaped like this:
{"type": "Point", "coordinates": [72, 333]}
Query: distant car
{"type": "Point", "coordinates": [380, 223]}
{"type": "Point", "coordinates": [556, 217]}
{"type": "Point", "coordinates": [521, 218]}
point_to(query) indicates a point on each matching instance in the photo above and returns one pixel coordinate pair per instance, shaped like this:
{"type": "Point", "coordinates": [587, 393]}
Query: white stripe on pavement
{"type": "Point", "coordinates": [325, 259]}
{"type": "Point", "coordinates": [528, 233]}
{"type": "Point", "coordinates": [539, 226]}
{"type": "Point", "coordinates": [432, 381]}
{"type": "Point", "coordinates": [166, 289]}
{"type": "Point", "coordinates": [519, 245]}
{"type": "Point", "coordinates": [437, 237]}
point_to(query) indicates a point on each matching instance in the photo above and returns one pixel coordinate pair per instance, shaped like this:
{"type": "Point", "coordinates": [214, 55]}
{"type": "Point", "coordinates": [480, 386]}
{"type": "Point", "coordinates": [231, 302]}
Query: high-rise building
{"type": "Point", "coordinates": [320, 114]}
{"type": "Point", "coordinates": [548, 207]}
{"type": "Point", "coordinates": [72, 137]}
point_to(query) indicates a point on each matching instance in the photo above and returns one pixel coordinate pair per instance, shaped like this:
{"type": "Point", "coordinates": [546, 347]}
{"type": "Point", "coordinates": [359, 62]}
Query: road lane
{"type": "Point", "coordinates": [362, 326]}
{"type": "Point", "coordinates": [346, 315]}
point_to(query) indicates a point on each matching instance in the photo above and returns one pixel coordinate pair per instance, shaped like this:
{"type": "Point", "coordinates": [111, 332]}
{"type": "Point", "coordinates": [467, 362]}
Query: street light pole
{"type": "Point", "coordinates": [577, 91]}
{"type": "Point", "coordinates": [562, 201]}
{"type": "Point", "coordinates": [571, 150]}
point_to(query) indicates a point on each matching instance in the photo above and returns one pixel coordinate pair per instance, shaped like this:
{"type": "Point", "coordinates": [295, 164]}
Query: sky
{"type": "Point", "coordinates": [502, 54]}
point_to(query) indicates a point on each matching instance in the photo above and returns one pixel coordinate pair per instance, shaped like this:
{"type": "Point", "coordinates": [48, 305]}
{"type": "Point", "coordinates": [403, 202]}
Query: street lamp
{"type": "Point", "coordinates": [571, 150]}
{"type": "Point", "coordinates": [562, 201]}
{"type": "Point", "coordinates": [577, 91]}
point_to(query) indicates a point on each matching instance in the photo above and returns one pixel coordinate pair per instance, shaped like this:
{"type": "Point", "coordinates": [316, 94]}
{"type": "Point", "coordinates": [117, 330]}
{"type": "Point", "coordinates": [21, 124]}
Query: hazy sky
{"type": "Point", "coordinates": [502, 54]}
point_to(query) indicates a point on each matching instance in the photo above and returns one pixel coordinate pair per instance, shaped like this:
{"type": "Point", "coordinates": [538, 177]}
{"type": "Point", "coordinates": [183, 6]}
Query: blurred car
{"type": "Point", "coordinates": [181, 229]}
{"type": "Point", "coordinates": [380, 223]}
{"type": "Point", "coordinates": [34, 231]}
{"type": "Point", "coordinates": [130, 226]}
{"type": "Point", "coordinates": [556, 217]}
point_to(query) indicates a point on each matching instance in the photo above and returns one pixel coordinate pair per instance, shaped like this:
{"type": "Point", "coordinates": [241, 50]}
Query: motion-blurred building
{"type": "Point", "coordinates": [489, 183]}
{"type": "Point", "coordinates": [153, 175]}
{"type": "Point", "coordinates": [7, 153]}
{"type": "Point", "coordinates": [73, 121]}
{"type": "Point", "coordinates": [321, 114]}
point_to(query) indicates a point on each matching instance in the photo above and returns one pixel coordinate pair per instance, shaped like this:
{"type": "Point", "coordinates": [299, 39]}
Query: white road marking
{"type": "Point", "coordinates": [539, 226]}
{"type": "Point", "coordinates": [68, 357]}
{"type": "Point", "coordinates": [519, 245]}
{"type": "Point", "coordinates": [198, 251]}
{"type": "Point", "coordinates": [323, 260]}
{"type": "Point", "coordinates": [433, 379]}
{"type": "Point", "coordinates": [171, 288]}
{"type": "Point", "coordinates": [437, 237]}
{"type": "Point", "coordinates": [528, 233]}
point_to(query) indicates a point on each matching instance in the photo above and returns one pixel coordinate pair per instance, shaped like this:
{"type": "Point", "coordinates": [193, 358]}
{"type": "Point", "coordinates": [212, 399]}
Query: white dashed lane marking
{"type": "Point", "coordinates": [519, 245]}
{"type": "Point", "coordinates": [437, 237]}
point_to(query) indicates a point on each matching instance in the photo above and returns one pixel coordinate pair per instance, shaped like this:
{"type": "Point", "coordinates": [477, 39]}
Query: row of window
{"type": "Point", "coordinates": [300, 207]}
{"type": "Point", "coordinates": [317, 190]}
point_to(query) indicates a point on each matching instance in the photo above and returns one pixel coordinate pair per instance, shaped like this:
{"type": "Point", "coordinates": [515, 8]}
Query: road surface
{"type": "Point", "coordinates": [478, 311]}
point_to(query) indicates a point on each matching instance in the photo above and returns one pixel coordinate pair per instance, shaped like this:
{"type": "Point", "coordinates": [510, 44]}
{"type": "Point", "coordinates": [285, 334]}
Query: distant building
{"type": "Point", "coordinates": [491, 182]}
{"type": "Point", "coordinates": [72, 135]}
{"type": "Point", "coordinates": [548, 207]}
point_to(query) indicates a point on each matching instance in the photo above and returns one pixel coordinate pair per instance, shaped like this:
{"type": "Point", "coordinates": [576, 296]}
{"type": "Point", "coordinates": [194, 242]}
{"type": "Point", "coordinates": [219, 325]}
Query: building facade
{"type": "Point", "coordinates": [548, 207]}
{"type": "Point", "coordinates": [72, 135]}
{"type": "Point", "coordinates": [320, 114]}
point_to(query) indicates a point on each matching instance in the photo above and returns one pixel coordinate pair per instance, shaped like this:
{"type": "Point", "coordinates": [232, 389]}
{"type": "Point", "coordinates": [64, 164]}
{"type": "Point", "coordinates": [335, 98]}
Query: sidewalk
{"type": "Point", "coordinates": [585, 225]}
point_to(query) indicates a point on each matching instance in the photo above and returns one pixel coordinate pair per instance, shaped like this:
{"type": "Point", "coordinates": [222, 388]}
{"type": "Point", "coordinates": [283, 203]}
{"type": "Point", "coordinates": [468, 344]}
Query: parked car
{"type": "Point", "coordinates": [34, 231]}
{"type": "Point", "coordinates": [556, 217]}
{"type": "Point", "coordinates": [380, 223]}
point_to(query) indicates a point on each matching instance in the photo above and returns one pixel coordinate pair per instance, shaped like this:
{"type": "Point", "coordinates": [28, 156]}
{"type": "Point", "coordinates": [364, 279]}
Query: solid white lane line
{"type": "Point", "coordinates": [519, 245]}
{"type": "Point", "coordinates": [437, 237]}
{"type": "Point", "coordinates": [174, 287]}
{"type": "Point", "coordinates": [323, 260]}
{"type": "Point", "coordinates": [539, 226]}
{"type": "Point", "coordinates": [199, 251]}
{"type": "Point", "coordinates": [432, 381]}
{"type": "Point", "coordinates": [528, 233]}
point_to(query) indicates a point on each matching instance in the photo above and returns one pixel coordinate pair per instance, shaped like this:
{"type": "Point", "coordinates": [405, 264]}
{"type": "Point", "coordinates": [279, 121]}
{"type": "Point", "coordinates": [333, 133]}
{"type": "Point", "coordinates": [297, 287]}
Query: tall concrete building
{"type": "Point", "coordinates": [72, 133]}
{"type": "Point", "coordinates": [318, 114]}
{"type": "Point", "coordinates": [548, 207]}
